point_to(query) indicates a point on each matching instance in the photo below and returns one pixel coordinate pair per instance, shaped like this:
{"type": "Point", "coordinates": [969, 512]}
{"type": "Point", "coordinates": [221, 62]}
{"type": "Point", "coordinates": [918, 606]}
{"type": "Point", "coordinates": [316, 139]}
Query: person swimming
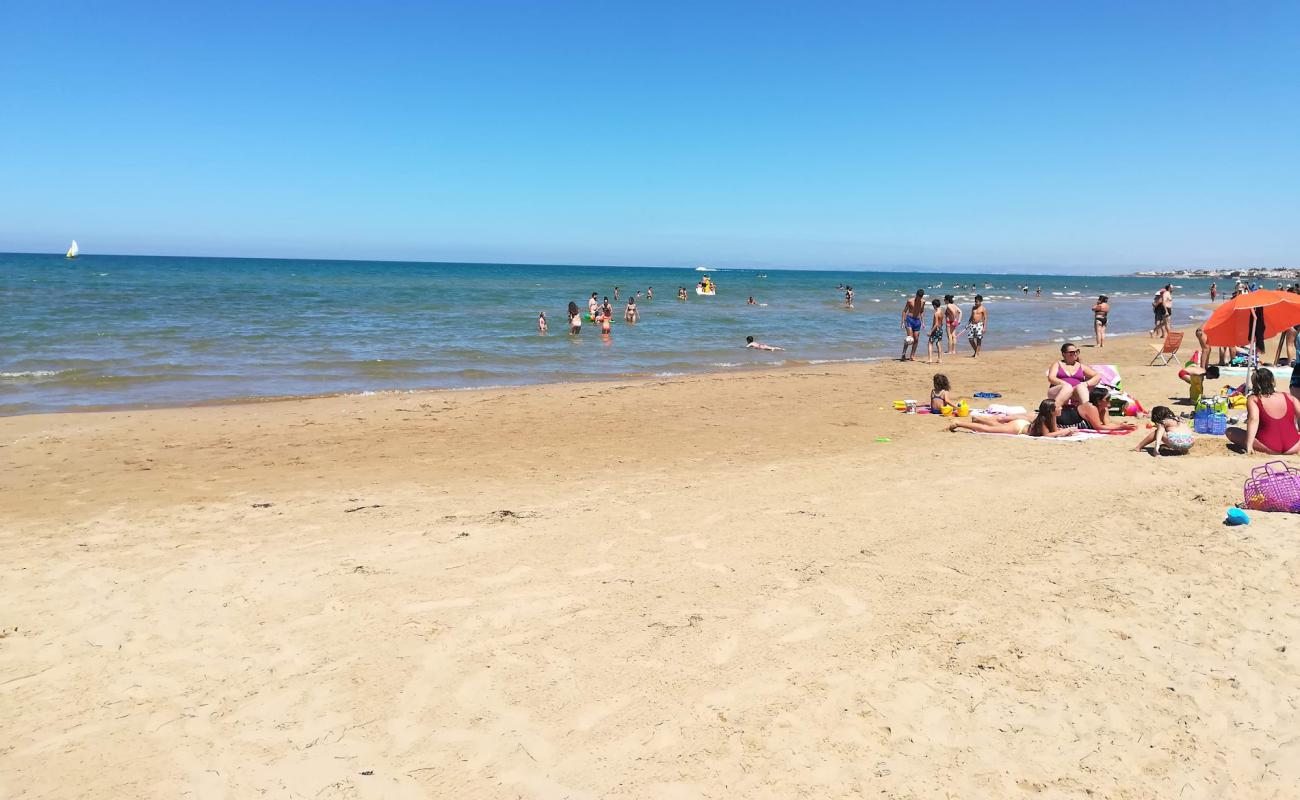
{"type": "Point", "coordinates": [753, 345]}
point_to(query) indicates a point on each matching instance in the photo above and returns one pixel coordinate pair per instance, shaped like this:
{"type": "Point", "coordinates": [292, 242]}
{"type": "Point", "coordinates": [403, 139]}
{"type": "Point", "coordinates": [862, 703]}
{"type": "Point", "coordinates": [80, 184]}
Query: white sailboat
{"type": "Point", "coordinates": [74, 251]}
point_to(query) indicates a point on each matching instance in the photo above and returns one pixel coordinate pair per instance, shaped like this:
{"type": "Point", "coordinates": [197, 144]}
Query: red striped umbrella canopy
{"type": "Point", "coordinates": [1232, 324]}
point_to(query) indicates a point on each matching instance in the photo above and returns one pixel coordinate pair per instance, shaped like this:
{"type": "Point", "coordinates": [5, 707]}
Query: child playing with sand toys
{"type": "Point", "coordinates": [941, 394]}
{"type": "Point", "coordinates": [1170, 436]}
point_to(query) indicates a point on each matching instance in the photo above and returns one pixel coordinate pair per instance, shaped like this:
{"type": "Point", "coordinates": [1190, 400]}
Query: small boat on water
{"type": "Point", "coordinates": [73, 251]}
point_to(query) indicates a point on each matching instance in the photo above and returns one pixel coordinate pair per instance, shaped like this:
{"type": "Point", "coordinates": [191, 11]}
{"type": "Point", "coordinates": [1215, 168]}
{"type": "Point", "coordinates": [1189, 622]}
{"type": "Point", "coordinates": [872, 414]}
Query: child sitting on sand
{"type": "Point", "coordinates": [941, 394]}
{"type": "Point", "coordinates": [1170, 435]}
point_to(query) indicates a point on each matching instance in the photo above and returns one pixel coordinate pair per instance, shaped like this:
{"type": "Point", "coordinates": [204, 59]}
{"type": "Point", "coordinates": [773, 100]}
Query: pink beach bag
{"type": "Point", "coordinates": [1273, 487]}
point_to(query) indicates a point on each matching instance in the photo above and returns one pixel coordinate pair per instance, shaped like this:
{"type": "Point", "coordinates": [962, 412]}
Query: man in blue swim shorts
{"type": "Point", "coordinates": [912, 311]}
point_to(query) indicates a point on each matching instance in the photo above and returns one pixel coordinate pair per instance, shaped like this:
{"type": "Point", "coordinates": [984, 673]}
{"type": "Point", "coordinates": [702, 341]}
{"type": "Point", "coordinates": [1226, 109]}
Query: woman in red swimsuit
{"type": "Point", "coordinates": [1272, 419]}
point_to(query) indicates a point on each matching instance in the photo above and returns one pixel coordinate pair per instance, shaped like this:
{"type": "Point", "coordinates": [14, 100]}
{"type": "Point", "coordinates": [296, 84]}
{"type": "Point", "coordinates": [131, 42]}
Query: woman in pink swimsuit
{"type": "Point", "coordinates": [1068, 381]}
{"type": "Point", "coordinates": [1272, 419]}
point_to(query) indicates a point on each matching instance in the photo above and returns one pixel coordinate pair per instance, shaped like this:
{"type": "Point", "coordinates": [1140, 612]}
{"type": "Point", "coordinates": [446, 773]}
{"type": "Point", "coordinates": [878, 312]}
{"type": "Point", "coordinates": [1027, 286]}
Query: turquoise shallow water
{"type": "Point", "coordinates": [105, 331]}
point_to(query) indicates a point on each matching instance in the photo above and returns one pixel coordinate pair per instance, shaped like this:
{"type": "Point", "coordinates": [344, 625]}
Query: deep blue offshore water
{"type": "Point", "coordinates": [103, 331]}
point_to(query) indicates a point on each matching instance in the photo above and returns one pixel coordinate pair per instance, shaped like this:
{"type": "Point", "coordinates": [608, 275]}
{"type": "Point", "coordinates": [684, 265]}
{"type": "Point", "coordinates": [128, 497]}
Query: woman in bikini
{"type": "Point", "coordinates": [575, 319]}
{"type": "Point", "coordinates": [1068, 381]}
{"type": "Point", "coordinates": [1100, 312]}
{"type": "Point", "coordinates": [1044, 424]}
{"type": "Point", "coordinates": [1272, 419]}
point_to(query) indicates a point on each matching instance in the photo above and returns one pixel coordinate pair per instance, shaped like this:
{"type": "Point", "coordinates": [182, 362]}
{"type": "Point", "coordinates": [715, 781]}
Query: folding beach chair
{"type": "Point", "coordinates": [1166, 352]}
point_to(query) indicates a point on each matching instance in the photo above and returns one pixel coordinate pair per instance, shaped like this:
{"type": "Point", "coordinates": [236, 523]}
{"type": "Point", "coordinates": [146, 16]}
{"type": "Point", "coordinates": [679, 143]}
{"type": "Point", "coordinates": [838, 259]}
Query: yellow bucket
{"type": "Point", "coordinates": [946, 411]}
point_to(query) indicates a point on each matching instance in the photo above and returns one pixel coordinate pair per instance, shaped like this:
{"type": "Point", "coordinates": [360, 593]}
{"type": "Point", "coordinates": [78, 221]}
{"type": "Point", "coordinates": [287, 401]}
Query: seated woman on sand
{"type": "Point", "coordinates": [1272, 419]}
{"type": "Point", "coordinates": [1092, 415]}
{"type": "Point", "coordinates": [1069, 380]}
{"type": "Point", "coordinates": [1044, 424]}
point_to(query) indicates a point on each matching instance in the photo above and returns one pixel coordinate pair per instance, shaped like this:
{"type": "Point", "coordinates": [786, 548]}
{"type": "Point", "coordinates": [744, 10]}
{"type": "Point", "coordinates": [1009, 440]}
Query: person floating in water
{"type": "Point", "coordinates": [753, 345]}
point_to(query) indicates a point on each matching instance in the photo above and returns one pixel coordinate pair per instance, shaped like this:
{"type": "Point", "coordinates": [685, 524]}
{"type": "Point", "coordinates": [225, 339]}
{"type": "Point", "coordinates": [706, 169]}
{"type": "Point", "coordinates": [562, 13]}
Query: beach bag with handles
{"type": "Point", "coordinates": [1273, 487]}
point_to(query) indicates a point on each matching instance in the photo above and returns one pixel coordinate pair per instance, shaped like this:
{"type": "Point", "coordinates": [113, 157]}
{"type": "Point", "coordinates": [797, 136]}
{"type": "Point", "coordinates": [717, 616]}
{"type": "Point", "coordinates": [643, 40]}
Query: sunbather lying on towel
{"type": "Point", "coordinates": [1043, 424]}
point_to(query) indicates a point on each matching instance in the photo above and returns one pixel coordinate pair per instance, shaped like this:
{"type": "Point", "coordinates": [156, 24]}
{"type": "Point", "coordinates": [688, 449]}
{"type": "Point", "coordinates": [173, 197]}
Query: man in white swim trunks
{"type": "Point", "coordinates": [979, 318]}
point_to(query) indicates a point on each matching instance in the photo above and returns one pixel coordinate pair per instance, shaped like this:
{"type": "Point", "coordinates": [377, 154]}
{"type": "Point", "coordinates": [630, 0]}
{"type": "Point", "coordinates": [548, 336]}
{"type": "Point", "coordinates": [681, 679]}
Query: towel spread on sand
{"type": "Point", "coordinates": [1077, 436]}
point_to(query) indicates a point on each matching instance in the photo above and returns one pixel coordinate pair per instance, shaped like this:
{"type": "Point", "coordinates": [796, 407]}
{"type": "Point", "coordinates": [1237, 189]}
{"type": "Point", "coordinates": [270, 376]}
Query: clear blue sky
{"type": "Point", "coordinates": [1010, 134]}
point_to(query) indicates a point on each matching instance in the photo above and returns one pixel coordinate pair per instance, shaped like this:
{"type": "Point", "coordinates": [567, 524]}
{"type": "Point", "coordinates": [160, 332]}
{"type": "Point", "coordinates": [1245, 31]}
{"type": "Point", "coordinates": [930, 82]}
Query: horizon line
{"type": "Point", "coordinates": [914, 268]}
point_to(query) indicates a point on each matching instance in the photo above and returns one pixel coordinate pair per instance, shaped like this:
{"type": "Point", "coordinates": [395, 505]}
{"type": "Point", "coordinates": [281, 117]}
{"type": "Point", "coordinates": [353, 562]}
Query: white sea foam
{"type": "Point", "coordinates": [39, 373]}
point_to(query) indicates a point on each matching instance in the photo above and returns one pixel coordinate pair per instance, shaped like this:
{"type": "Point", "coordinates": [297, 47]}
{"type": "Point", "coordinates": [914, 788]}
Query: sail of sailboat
{"type": "Point", "coordinates": [74, 251]}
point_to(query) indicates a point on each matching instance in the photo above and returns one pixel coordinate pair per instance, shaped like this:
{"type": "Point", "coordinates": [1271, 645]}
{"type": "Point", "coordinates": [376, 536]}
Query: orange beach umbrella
{"type": "Point", "coordinates": [1232, 323]}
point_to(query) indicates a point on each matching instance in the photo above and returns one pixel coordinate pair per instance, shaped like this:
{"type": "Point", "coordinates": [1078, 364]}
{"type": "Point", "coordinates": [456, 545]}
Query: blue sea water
{"type": "Point", "coordinates": [105, 331]}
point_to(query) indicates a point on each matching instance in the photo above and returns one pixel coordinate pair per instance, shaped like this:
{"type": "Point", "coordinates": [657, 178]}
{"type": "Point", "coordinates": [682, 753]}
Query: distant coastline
{"type": "Point", "coordinates": [1263, 274]}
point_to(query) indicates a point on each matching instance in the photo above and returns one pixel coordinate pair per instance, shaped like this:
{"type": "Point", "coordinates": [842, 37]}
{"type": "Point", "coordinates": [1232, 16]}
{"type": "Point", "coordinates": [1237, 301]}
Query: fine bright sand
{"type": "Point", "coordinates": [709, 587]}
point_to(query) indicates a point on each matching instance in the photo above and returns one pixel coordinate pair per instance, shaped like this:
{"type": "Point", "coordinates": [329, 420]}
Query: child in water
{"type": "Point", "coordinates": [541, 322]}
{"type": "Point", "coordinates": [1171, 435]}
{"type": "Point", "coordinates": [575, 319]}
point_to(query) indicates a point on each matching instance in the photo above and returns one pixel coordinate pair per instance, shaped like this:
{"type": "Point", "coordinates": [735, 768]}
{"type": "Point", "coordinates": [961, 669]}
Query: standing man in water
{"type": "Point", "coordinates": [912, 318]}
{"type": "Point", "coordinates": [979, 320]}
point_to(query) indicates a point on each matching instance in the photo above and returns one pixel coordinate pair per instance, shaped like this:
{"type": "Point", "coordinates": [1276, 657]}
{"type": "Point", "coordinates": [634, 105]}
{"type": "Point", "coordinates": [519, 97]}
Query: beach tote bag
{"type": "Point", "coordinates": [1273, 487]}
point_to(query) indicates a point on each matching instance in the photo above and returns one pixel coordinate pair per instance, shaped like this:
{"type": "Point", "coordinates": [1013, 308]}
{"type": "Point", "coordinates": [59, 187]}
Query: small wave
{"type": "Point", "coordinates": [726, 364]}
{"type": "Point", "coordinates": [1059, 339]}
{"type": "Point", "coordinates": [39, 373]}
{"type": "Point", "coordinates": [668, 374]}
{"type": "Point", "coordinates": [837, 360]}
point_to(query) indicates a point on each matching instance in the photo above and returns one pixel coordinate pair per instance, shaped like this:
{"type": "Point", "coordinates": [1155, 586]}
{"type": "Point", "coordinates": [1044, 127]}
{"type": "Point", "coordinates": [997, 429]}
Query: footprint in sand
{"type": "Point", "coordinates": [506, 577]}
{"type": "Point", "coordinates": [852, 605]}
{"type": "Point", "coordinates": [591, 716]}
{"type": "Point", "coordinates": [725, 650]}
{"type": "Point", "coordinates": [432, 605]}
{"type": "Point", "coordinates": [804, 633]}
{"type": "Point", "coordinates": [696, 542]}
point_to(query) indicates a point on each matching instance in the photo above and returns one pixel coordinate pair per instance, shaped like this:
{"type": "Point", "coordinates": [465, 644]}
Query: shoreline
{"type": "Point", "coordinates": [788, 364]}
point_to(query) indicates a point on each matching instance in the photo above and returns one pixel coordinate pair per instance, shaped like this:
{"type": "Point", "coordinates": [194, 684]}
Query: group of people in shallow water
{"type": "Point", "coordinates": [600, 312]}
{"type": "Point", "coordinates": [1076, 401]}
{"type": "Point", "coordinates": [945, 318]}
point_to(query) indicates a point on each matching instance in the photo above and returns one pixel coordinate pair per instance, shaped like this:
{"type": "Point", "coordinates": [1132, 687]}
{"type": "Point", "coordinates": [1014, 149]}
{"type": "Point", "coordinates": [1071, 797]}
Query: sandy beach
{"type": "Point", "coordinates": [718, 586]}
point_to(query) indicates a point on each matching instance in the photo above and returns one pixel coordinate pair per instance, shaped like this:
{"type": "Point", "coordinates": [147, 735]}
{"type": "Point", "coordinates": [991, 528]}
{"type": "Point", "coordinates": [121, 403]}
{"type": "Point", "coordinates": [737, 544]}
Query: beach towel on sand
{"type": "Point", "coordinates": [1077, 436]}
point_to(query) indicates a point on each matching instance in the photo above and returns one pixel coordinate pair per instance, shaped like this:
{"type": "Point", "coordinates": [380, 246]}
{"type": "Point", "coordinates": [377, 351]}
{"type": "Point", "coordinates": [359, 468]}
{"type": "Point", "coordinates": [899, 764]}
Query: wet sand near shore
{"type": "Point", "coordinates": [707, 586]}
